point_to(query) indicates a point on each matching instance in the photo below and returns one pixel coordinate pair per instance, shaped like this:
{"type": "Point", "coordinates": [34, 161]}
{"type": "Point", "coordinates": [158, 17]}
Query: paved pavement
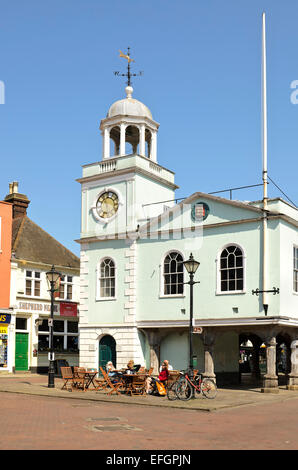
{"type": "Point", "coordinates": [227, 398]}
{"type": "Point", "coordinates": [50, 419]}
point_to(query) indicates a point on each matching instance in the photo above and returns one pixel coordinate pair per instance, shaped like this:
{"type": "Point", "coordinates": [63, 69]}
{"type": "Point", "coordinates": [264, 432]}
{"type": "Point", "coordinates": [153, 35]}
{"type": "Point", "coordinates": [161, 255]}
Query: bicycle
{"type": "Point", "coordinates": [187, 386]}
{"type": "Point", "coordinates": [171, 391]}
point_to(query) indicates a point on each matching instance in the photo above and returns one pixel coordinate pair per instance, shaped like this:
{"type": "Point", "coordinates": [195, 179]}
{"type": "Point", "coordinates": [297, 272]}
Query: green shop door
{"type": "Point", "coordinates": [107, 351]}
{"type": "Point", "coordinates": [21, 356]}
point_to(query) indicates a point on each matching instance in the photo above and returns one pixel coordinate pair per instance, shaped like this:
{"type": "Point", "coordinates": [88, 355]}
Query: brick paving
{"type": "Point", "coordinates": [82, 421]}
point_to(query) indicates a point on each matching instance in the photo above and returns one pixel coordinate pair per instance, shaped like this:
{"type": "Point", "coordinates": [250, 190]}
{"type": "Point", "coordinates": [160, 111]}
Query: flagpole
{"type": "Point", "coordinates": [265, 174]}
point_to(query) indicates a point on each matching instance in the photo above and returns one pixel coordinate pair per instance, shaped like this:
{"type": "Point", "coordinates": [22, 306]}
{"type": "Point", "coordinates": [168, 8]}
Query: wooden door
{"type": "Point", "coordinates": [21, 355]}
{"type": "Point", "coordinates": [107, 351]}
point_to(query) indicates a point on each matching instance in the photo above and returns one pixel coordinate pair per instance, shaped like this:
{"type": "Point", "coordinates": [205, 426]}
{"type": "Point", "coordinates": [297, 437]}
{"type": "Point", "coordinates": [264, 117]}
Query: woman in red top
{"type": "Point", "coordinates": [163, 376]}
{"type": "Point", "coordinates": [164, 373]}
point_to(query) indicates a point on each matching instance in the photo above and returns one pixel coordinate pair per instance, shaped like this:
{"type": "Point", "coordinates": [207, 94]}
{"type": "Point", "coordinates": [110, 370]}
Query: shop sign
{"type": "Point", "coordinates": [33, 307]}
{"type": "Point", "coordinates": [5, 318]}
{"type": "Point", "coordinates": [68, 309]}
{"type": "Point", "coordinates": [3, 329]}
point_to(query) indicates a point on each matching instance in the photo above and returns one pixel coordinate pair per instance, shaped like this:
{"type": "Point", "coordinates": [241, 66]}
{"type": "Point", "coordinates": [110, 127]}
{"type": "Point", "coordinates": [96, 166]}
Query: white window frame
{"type": "Point", "coordinates": [98, 278]}
{"type": "Point", "coordinates": [65, 333]}
{"type": "Point", "coordinates": [162, 277]}
{"type": "Point", "coordinates": [295, 248]}
{"type": "Point", "coordinates": [66, 283]}
{"type": "Point", "coordinates": [218, 271]}
{"type": "Point", "coordinates": [32, 279]}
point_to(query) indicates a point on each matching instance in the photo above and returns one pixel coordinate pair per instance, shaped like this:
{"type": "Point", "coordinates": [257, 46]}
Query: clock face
{"type": "Point", "coordinates": [107, 204]}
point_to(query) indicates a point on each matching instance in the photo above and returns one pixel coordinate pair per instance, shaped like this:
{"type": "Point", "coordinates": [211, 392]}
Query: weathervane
{"type": "Point", "coordinates": [128, 74]}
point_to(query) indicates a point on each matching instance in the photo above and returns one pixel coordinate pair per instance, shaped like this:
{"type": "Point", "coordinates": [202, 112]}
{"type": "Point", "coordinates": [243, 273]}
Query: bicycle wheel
{"type": "Point", "coordinates": [171, 392]}
{"type": "Point", "coordinates": [209, 388]}
{"type": "Point", "coordinates": [184, 390]}
{"type": "Point", "coordinates": [197, 382]}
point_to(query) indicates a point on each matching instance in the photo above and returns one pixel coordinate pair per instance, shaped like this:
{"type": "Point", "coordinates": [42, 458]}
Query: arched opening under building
{"type": "Point", "coordinates": [252, 359]}
{"type": "Point", "coordinates": [115, 138]}
{"type": "Point", "coordinates": [132, 139]}
{"type": "Point", "coordinates": [283, 357]}
{"type": "Point", "coordinates": [148, 139]}
{"type": "Point", "coordinates": [106, 351]}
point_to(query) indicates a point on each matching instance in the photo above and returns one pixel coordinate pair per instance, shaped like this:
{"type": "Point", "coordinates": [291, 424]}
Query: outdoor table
{"type": "Point", "coordinates": [89, 376]}
{"type": "Point", "coordinates": [128, 378]}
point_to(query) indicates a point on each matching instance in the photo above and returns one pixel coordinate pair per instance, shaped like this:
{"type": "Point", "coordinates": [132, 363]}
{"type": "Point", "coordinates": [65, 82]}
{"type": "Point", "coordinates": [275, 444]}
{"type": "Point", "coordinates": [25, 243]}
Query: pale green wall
{"type": "Point", "coordinates": [206, 303]}
{"type": "Point", "coordinates": [175, 348]}
{"type": "Point", "coordinates": [288, 299]}
{"type": "Point", "coordinates": [106, 311]}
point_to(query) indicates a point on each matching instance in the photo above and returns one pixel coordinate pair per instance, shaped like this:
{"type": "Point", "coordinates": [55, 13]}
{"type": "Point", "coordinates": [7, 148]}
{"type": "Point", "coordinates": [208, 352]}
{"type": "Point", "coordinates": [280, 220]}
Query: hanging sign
{"type": "Point", "coordinates": [198, 330]}
{"type": "Point", "coordinates": [68, 309]}
{"type": "Point", "coordinates": [3, 329]}
{"type": "Point", "coordinates": [5, 318]}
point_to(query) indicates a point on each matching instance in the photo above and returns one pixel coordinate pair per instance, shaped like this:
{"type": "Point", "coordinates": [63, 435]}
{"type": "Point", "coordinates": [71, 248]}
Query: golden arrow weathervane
{"type": "Point", "coordinates": [128, 74]}
{"type": "Point", "coordinates": [126, 56]}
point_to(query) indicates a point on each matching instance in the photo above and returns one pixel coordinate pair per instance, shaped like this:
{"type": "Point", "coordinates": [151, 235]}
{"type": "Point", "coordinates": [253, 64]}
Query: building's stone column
{"type": "Point", "coordinates": [106, 143]}
{"type": "Point", "coordinates": [130, 293]}
{"type": "Point", "coordinates": [270, 378]}
{"type": "Point", "coordinates": [293, 376]}
{"type": "Point", "coordinates": [153, 150]}
{"type": "Point", "coordinates": [255, 358]}
{"type": "Point", "coordinates": [209, 342]}
{"type": "Point", "coordinates": [122, 138]}
{"type": "Point", "coordinates": [142, 148]}
{"type": "Point", "coordinates": [154, 339]}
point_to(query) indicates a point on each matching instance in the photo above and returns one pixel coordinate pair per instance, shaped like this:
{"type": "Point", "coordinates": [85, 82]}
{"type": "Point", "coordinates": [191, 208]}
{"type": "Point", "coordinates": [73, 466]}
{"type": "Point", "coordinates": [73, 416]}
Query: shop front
{"type": "Point", "coordinates": [32, 334]}
{"type": "Point", "coordinates": [6, 341]}
{"type": "Point", "coordinates": [65, 337]}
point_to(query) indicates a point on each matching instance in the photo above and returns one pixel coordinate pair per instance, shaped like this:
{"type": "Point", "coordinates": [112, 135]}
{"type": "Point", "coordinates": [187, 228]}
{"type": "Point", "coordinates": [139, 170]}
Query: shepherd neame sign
{"type": "Point", "coordinates": [33, 307]}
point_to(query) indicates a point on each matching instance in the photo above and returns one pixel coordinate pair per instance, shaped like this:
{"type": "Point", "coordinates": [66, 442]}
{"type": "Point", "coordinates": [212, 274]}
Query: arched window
{"type": "Point", "coordinates": [107, 278]}
{"type": "Point", "coordinates": [173, 274]}
{"type": "Point", "coordinates": [231, 269]}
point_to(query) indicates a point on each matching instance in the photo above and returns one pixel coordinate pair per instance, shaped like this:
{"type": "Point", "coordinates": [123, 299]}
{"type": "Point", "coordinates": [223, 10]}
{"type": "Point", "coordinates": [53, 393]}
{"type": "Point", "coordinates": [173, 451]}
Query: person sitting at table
{"type": "Point", "coordinates": [162, 378]}
{"type": "Point", "coordinates": [130, 367]}
{"type": "Point", "coordinates": [110, 369]}
{"type": "Point", "coordinates": [169, 367]}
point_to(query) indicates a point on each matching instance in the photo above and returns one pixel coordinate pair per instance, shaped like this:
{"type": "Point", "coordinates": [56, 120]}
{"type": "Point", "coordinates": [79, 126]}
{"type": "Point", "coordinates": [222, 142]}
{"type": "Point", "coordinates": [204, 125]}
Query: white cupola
{"type": "Point", "coordinates": [129, 129]}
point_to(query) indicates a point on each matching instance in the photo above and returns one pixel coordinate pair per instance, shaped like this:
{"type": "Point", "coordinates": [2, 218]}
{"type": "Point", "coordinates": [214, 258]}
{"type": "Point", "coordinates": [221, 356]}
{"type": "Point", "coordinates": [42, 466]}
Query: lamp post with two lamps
{"type": "Point", "coordinates": [191, 266]}
{"type": "Point", "coordinates": [53, 278]}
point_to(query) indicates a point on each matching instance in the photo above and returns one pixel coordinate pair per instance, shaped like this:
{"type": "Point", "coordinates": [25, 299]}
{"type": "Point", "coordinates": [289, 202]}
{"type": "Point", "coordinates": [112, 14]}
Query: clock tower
{"type": "Point", "coordinates": [128, 186]}
{"type": "Point", "coordinates": [120, 193]}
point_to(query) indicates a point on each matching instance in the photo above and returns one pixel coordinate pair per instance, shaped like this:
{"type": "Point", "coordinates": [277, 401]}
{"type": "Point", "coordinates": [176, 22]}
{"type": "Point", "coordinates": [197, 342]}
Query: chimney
{"type": "Point", "coordinates": [19, 201]}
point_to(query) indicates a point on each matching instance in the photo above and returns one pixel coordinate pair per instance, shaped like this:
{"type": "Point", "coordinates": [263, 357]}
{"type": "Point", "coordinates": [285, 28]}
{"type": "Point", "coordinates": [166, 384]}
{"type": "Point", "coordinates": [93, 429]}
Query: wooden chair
{"type": "Point", "coordinates": [101, 382]}
{"type": "Point", "coordinates": [150, 371]}
{"type": "Point", "coordinates": [173, 377]}
{"type": "Point", "coordinates": [67, 376]}
{"type": "Point", "coordinates": [79, 378]}
{"type": "Point", "coordinates": [113, 386]}
{"type": "Point", "coordinates": [138, 384]}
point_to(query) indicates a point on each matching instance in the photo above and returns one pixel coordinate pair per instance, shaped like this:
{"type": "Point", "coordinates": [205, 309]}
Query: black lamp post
{"type": "Point", "coordinates": [191, 266]}
{"type": "Point", "coordinates": [53, 278]}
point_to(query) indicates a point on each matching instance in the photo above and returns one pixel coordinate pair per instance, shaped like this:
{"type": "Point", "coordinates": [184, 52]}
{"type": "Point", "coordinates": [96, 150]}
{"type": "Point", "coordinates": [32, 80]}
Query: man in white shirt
{"type": "Point", "coordinates": [166, 362]}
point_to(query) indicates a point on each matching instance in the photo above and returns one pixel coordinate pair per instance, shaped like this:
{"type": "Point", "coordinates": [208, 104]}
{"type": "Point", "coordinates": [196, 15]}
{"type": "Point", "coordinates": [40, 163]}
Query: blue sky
{"type": "Point", "coordinates": [202, 82]}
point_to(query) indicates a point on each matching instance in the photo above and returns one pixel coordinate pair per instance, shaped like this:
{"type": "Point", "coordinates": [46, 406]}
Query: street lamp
{"type": "Point", "coordinates": [191, 266]}
{"type": "Point", "coordinates": [52, 278]}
